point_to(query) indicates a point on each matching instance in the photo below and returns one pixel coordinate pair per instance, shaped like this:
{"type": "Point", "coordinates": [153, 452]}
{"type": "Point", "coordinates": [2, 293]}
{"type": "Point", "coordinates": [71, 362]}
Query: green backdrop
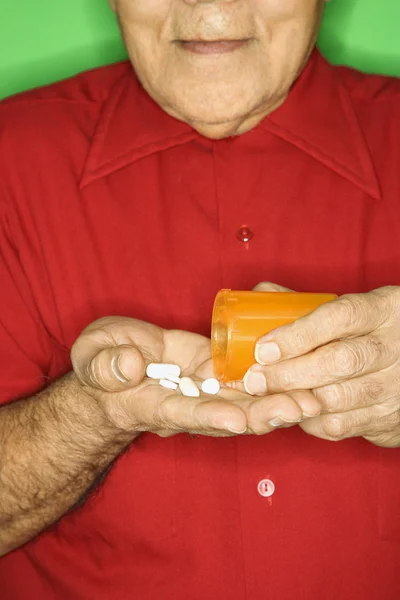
{"type": "Point", "coordinates": [45, 40]}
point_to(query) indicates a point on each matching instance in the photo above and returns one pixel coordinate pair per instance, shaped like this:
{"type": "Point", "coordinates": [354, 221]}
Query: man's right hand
{"type": "Point", "coordinates": [110, 359]}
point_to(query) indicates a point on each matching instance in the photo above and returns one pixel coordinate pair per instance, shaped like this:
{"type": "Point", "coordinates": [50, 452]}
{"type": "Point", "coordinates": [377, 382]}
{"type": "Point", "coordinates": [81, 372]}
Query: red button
{"type": "Point", "coordinates": [245, 234]}
{"type": "Point", "coordinates": [266, 488]}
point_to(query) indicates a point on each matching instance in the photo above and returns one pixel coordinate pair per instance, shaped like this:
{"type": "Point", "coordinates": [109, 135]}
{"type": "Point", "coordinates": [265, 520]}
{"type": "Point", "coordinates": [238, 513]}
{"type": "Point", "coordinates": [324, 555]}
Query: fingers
{"type": "Point", "coordinates": [157, 409]}
{"type": "Point", "coordinates": [279, 410]}
{"type": "Point", "coordinates": [306, 400]}
{"type": "Point", "coordinates": [377, 424]}
{"type": "Point", "coordinates": [362, 392]}
{"type": "Point", "coordinates": [335, 362]}
{"type": "Point", "coordinates": [282, 410]}
{"type": "Point", "coordinates": [203, 415]}
{"type": "Point", "coordinates": [267, 286]}
{"type": "Point", "coordinates": [113, 369]}
{"type": "Point", "coordinates": [231, 412]}
{"type": "Point", "coordinates": [348, 316]}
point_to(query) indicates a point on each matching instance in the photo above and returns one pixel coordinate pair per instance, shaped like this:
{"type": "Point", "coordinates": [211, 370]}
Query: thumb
{"type": "Point", "coordinates": [113, 369]}
{"type": "Point", "coordinates": [267, 286]}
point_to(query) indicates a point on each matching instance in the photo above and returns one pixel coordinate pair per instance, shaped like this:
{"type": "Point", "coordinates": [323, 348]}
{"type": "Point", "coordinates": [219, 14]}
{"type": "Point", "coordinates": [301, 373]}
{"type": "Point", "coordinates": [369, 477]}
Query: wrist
{"type": "Point", "coordinates": [100, 412]}
{"type": "Point", "coordinates": [111, 418]}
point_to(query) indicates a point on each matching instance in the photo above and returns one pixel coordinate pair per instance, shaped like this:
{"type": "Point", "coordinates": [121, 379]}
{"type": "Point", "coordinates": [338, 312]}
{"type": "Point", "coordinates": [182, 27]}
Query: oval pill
{"type": "Point", "coordinates": [210, 386]}
{"type": "Point", "coordinates": [162, 370]}
{"type": "Point", "coordinates": [189, 388]}
{"type": "Point", "coordinates": [170, 385]}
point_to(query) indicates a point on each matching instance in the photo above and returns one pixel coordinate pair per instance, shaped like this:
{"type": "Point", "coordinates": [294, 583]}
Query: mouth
{"type": "Point", "coordinates": [212, 46]}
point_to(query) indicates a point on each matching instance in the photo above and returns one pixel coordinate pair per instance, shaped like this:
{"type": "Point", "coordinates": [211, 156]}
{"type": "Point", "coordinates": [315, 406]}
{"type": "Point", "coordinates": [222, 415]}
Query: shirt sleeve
{"type": "Point", "coordinates": [26, 349]}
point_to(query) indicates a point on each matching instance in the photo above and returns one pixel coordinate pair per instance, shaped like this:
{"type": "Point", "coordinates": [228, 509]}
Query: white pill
{"type": "Point", "coordinates": [170, 385]}
{"type": "Point", "coordinates": [162, 371]}
{"type": "Point", "coordinates": [210, 386]}
{"type": "Point", "coordinates": [188, 387]}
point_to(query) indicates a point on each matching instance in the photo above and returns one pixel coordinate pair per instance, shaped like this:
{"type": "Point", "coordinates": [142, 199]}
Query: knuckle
{"type": "Point", "coordinates": [375, 345]}
{"type": "Point", "coordinates": [351, 311]}
{"type": "Point", "coordinates": [375, 350]}
{"type": "Point", "coordinates": [344, 396]}
{"type": "Point", "coordinates": [371, 392]}
{"type": "Point", "coordinates": [349, 358]}
{"type": "Point", "coordinates": [335, 428]}
{"type": "Point", "coordinates": [345, 360]}
{"type": "Point", "coordinates": [333, 397]}
{"type": "Point", "coordinates": [389, 298]}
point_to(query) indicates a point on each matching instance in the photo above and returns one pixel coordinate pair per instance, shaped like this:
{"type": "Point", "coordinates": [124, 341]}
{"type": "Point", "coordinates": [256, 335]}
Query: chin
{"type": "Point", "coordinates": [214, 108]}
{"type": "Point", "coordinates": [214, 117]}
{"type": "Point", "coordinates": [217, 125]}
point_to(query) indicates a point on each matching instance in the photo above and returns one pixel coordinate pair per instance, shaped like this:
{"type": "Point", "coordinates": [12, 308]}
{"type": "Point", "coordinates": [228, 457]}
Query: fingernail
{"type": "Point", "coordinates": [117, 369]}
{"type": "Point", "coordinates": [255, 383]}
{"type": "Point", "coordinates": [307, 416]}
{"type": "Point", "coordinates": [279, 421]}
{"type": "Point", "coordinates": [267, 352]}
{"type": "Point", "coordinates": [276, 422]}
{"type": "Point", "coordinates": [234, 429]}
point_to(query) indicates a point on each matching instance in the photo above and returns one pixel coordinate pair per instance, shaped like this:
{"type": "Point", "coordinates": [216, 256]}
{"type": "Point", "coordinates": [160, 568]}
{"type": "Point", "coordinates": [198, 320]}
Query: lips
{"type": "Point", "coordinates": [213, 47]}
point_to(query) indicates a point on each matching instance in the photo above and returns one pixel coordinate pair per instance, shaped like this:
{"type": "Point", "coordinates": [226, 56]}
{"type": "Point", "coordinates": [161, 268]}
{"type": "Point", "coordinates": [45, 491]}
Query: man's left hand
{"type": "Point", "coordinates": [347, 354]}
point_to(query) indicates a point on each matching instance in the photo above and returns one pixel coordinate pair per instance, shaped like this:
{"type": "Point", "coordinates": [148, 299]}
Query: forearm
{"type": "Point", "coordinates": [52, 448]}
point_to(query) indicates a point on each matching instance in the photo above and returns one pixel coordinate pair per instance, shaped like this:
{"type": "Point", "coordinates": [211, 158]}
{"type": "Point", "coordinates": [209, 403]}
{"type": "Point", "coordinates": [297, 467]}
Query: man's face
{"type": "Point", "coordinates": [219, 65]}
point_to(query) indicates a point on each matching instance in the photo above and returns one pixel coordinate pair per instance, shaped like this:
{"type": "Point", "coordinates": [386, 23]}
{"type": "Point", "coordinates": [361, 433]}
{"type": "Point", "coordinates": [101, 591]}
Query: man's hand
{"type": "Point", "coordinates": [110, 359]}
{"type": "Point", "coordinates": [346, 355]}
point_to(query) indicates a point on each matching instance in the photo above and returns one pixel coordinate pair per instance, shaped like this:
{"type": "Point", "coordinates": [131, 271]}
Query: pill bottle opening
{"type": "Point", "coordinates": [220, 339]}
{"type": "Point", "coordinates": [220, 334]}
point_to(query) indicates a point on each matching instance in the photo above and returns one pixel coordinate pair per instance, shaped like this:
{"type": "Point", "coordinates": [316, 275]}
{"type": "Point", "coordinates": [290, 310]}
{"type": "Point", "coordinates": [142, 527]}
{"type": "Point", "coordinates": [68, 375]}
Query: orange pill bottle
{"type": "Point", "coordinates": [240, 318]}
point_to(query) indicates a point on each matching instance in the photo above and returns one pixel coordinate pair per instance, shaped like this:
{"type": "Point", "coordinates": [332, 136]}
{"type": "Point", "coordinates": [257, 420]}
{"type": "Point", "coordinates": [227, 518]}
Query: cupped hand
{"type": "Point", "coordinates": [110, 358]}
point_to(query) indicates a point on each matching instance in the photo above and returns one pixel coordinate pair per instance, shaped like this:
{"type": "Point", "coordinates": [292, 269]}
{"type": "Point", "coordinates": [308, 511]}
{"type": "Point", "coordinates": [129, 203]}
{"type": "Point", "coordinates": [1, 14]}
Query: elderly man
{"type": "Point", "coordinates": [231, 154]}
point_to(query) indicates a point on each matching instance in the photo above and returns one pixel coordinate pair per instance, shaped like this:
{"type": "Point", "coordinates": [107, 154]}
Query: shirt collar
{"type": "Point", "coordinates": [131, 126]}
{"type": "Point", "coordinates": [317, 117]}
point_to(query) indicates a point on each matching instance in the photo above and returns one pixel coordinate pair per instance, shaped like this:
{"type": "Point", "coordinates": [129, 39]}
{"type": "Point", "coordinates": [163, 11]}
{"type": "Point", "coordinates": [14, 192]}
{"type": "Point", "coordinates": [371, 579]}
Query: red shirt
{"type": "Point", "coordinates": [109, 206]}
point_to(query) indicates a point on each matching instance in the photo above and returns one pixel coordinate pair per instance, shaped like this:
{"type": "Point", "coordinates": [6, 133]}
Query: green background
{"type": "Point", "coordinates": [45, 40]}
